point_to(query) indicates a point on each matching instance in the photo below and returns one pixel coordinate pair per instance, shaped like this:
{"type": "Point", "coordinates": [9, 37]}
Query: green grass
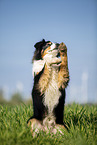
{"type": "Point", "coordinates": [81, 121]}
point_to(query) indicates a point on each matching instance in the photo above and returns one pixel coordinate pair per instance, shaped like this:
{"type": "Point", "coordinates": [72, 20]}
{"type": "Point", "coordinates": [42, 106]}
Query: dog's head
{"type": "Point", "coordinates": [45, 49]}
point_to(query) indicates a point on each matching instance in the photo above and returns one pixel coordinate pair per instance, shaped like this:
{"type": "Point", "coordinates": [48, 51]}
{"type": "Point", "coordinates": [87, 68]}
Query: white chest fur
{"type": "Point", "coordinates": [52, 92]}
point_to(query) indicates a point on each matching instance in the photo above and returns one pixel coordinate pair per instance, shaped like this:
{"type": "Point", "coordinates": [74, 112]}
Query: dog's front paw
{"type": "Point", "coordinates": [52, 61]}
{"type": "Point", "coordinates": [56, 60]}
{"type": "Point", "coordinates": [62, 48]}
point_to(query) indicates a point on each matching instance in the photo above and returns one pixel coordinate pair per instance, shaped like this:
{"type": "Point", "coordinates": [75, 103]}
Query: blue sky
{"type": "Point", "coordinates": [23, 23]}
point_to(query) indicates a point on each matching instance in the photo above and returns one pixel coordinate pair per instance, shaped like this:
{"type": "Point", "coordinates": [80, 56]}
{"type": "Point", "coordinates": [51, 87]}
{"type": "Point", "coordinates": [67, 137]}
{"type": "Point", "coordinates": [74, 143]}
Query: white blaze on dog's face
{"type": "Point", "coordinates": [50, 50]}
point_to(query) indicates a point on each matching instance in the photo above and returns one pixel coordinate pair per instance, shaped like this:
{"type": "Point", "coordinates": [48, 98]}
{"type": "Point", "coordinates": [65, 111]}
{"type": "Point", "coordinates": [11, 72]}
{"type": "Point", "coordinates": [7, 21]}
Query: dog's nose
{"type": "Point", "coordinates": [57, 44]}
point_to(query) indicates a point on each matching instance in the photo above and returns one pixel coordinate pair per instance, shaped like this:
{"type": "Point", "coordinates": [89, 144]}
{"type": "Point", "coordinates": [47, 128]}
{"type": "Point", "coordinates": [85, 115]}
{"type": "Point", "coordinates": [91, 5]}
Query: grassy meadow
{"type": "Point", "coordinates": [80, 119]}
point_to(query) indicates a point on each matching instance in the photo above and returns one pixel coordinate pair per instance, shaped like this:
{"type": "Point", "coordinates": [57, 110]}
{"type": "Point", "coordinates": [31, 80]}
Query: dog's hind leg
{"type": "Point", "coordinates": [36, 126]}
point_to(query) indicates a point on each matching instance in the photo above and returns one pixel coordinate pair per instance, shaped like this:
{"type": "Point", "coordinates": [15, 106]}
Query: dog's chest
{"type": "Point", "coordinates": [52, 93]}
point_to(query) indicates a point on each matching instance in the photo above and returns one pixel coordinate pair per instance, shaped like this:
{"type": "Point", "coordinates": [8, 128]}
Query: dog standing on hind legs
{"type": "Point", "coordinates": [51, 77]}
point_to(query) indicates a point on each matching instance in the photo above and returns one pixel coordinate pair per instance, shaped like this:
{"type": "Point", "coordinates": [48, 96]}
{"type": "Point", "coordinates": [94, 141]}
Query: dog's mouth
{"type": "Point", "coordinates": [52, 49]}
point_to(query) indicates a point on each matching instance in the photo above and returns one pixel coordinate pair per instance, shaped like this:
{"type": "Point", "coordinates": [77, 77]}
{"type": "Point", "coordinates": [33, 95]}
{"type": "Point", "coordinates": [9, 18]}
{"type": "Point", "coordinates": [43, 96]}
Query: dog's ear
{"type": "Point", "coordinates": [39, 45]}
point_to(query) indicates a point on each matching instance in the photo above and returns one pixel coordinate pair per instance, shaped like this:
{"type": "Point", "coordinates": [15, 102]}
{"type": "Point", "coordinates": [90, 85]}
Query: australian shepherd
{"type": "Point", "coordinates": [51, 77]}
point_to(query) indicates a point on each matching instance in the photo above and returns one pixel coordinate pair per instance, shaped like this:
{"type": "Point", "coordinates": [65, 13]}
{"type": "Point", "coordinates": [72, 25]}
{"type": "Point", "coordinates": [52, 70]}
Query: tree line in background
{"type": "Point", "coordinates": [16, 98]}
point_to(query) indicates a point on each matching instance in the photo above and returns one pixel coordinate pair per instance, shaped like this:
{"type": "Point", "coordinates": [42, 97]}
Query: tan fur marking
{"type": "Point", "coordinates": [44, 79]}
{"type": "Point", "coordinates": [37, 73]}
{"type": "Point", "coordinates": [45, 52]}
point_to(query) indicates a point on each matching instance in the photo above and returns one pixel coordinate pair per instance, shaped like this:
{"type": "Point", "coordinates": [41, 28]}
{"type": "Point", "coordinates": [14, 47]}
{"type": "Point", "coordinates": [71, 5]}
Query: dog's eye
{"type": "Point", "coordinates": [50, 44]}
{"type": "Point", "coordinates": [46, 46]}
